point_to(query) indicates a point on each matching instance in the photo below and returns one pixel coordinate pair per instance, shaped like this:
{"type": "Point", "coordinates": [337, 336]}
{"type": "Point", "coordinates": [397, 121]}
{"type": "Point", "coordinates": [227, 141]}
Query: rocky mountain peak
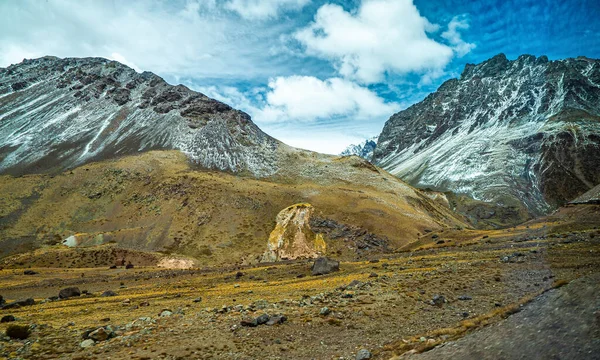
{"type": "Point", "coordinates": [59, 113]}
{"type": "Point", "coordinates": [521, 131]}
{"type": "Point", "coordinates": [363, 150]}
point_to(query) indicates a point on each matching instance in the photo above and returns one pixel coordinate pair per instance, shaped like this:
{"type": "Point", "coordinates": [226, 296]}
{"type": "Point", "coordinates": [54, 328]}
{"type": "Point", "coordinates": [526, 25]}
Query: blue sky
{"type": "Point", "coordinates": [315, 74]}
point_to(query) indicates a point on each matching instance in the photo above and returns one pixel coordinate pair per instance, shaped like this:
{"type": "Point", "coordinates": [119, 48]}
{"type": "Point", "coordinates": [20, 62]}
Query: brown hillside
{"type": "Point", "coordinates": [156, 201]}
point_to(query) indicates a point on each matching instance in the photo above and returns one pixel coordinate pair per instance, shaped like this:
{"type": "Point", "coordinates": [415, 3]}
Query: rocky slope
{"type": "Point", "coordinates": [364, 149]}
{"type": "Point", "coordinates": [508, 132]}
{"type": "Point", "coordinates": [60, 113]}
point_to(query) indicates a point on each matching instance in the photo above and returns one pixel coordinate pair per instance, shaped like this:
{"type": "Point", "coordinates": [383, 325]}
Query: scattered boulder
{"type": "Point", "coordinates": [19, 303]}
{"type": "Point", "coordinates": [2, 301]}
{"type": "Point", "coordinates": [197, 300]}
{"type": "Point", "coordinates": [363, 354]}
{"type": "Point", "coordinates": [87, 343]}
{"type": "Point", "coordinates": [7, 318]}
{"type": "Point", "coordinates": [277, 319]}
{"type": "Point", "coordinates": [249, 323]}
{"type": "Point", "coordinates": [21, 332]}
{"type": "Point", "coordinates": [129, 265]}
{"type": "Point", "coordinates": [323, 266]}
{"type": "Point", "coordinates": [513, 258]}
{"type": "Point", "coordinates": [438, 300]}
{"type": "Point", "coordinates": [29, 272]}
{"type": "Point", "coordinates": [325, 311]}
{"type": "Point", "coordinates": [99, 334]}
{"type": "Point", "coordinates": [108, 293]}
{"type": "Point", "coordinates": [69, 292]}
{"type": "Point", "coordinates": [165, 313]}
{"type": "Point", "coordinates": [373, 275]}
{"type": "Point", "coordinates": [144, 303]}
{"type": "Point", "coordinates": [262, 319]}
{"type": "Point", "coordinates": [465, 297]}
{"type": "Point", "coordinates": [354, 284]}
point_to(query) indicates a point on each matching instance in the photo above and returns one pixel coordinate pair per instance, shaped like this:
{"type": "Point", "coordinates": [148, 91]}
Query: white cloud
{"type": "Point", "coordinates": [306, 98]}
{"type": "Point", "coordinates": [263, 9]}
{"type": "Point", "coordinates": [453, 36]}
{"type": "Point", "coordinates": [380, 36]}
{"type": "Point", "coordinates": [305, 112]}
{"type": "Point", "coordinates": [192, 38]}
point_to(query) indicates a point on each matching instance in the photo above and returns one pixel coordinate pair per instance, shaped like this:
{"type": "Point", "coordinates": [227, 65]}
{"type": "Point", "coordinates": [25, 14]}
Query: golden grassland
{"type": "Point", "coordinates": [391, 316]}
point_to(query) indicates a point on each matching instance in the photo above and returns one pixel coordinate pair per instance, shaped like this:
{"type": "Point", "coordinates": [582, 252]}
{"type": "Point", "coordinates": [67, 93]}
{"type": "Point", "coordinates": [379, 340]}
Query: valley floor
{"type": "Point", "coordinates": [389, 309]}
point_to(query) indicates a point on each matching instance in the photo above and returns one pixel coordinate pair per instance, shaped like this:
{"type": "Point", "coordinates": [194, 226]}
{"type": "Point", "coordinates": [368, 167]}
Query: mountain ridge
{"type": "Point", "coordinates": [519, 133]}
{"type": "Point", "coordinates": [61, 113]}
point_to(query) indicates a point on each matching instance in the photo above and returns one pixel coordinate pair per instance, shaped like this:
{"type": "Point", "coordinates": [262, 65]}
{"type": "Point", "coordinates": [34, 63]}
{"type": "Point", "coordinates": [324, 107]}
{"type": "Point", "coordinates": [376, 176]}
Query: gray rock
{"type": "Point", "coordinates": [262, 319]}
{"type": "Point", "coordinates": [108, 293]}
{"type": "Point", "coordinates": [69, 292]}
{"type": "Point", "coordinates": [325, 311]}
{"type": "Point", "coordinates": [19, 303]}
{"type": "Point", "coordinates": [323, 266]}
{"type": "Point", "coordinates": [99, 334]}
{"type": "Point", "coordinates": [438, 300]}
{"type": "Point", "coordinates": [277, 319]}
{"type": "Point", "coordinates": [363, 354]}
{"type": "Point", "coordinates": [465, 297]}
{"type": "Point", "coordinates": [166, 313]}
{"type": "Point", "coordinates": [249, 323]}
{"type": "Point", "coordinates": [87, 343]}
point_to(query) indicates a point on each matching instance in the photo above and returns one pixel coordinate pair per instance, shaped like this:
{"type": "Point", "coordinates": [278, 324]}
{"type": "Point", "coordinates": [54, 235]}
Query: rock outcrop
{"type": "Point", "coordinates": [525, 131]}
{"type": "Point", "coordinates": [293, 237]}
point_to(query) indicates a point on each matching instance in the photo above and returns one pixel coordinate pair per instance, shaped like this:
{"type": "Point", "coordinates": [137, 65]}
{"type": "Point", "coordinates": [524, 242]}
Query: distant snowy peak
{"type": "Point", "coordinates": [60, 113]}
{"type": "Point", "coordinates": [524, 132]}
{"type": "Point", "coordinates": [364, 149]}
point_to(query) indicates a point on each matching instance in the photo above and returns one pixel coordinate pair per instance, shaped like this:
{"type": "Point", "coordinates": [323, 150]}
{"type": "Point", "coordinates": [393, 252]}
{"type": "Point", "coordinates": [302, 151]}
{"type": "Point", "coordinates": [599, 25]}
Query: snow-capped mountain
{"type": "Point", "coordinates": [523, 131]}
{"type": "Point", "coordinates": [364, 149]}
{"type": "Point", "coordinates": [60, 113]}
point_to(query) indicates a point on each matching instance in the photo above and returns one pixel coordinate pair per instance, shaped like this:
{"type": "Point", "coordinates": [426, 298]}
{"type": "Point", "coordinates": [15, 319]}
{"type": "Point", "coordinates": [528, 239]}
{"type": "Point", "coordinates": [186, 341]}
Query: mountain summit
{"type": "Point", "coordinates": [364, 149]}
{"type": "Point", "coordinates": [60, 113]}
{"type": "Point", "coordinates": [523, 131]}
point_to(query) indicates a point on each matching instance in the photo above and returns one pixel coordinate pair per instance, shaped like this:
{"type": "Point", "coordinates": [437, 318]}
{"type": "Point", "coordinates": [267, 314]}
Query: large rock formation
{"type": "Point", "coordinates": [292, 237]}
{"type": "Point", "coordinates": [509, 132]}
{"type": "Point", "coordinates": [60, 113]}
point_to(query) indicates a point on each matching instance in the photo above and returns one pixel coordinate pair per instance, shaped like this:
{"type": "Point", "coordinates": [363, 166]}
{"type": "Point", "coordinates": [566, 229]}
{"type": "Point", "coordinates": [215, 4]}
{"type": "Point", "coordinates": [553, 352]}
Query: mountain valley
{"type": "Point", "coordinates": [142, 220]}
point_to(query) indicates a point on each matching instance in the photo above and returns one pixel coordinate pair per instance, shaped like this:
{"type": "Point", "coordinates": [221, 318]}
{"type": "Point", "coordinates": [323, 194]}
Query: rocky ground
{"type": "Point", "coordinates": [551, 327]}
{"type": "Point", "coordinates": [392, 305]}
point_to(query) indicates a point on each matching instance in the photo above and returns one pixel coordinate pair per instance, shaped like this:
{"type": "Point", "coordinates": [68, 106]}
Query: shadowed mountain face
{"type": "Point", "coordinates": [509, 132]}
{"type": "Point", "coordinates": [60, 113]}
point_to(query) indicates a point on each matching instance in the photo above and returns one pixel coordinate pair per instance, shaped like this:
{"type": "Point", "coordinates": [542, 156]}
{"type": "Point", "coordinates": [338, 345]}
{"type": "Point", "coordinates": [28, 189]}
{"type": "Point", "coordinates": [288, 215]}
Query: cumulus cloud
{"type": "Point", "coordinates": [454, 38]}
{"type": "Point", "coordinates": [263, 9]}
{"type": "Point", "coordinates": [380, 36]}
{"type": "Point", "coordinates": [306, 98]}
